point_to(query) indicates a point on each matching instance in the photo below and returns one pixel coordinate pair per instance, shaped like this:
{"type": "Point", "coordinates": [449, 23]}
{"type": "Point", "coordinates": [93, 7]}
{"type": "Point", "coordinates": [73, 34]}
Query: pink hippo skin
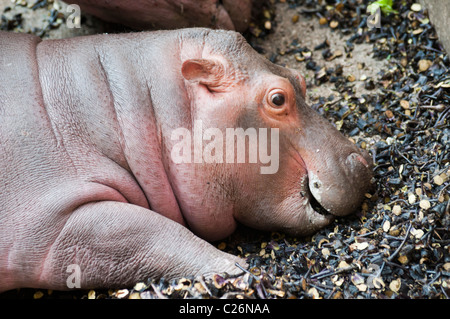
{"type": "Point", "coordinates": [171, 14]}
{"type": "Point", "coordinates": [87, 176]}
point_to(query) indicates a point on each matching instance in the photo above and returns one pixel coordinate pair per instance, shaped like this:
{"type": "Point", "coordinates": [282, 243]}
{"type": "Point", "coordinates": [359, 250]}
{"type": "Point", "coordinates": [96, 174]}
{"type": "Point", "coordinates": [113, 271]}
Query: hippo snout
{"type": "Point", "coordinates": [341, 191]}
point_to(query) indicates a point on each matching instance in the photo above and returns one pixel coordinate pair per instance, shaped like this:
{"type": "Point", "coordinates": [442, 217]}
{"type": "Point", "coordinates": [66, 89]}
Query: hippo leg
{"type": "Point", "coordinates": [119, 244]}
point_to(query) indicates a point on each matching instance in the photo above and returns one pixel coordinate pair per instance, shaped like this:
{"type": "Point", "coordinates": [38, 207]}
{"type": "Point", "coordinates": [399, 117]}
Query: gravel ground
{"type": "Point", "coordinates": [388, 90]}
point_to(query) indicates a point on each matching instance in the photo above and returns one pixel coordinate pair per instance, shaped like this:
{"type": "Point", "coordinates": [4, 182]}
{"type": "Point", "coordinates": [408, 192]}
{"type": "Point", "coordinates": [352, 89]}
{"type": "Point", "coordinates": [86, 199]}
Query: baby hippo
{"type": "Point", "coordinates": [123, 155]}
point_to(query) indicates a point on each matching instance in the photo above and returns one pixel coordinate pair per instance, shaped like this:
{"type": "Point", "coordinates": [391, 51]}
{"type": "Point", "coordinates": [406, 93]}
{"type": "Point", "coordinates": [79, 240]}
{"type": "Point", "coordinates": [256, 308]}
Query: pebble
{"type": "Point", "coordinates": [404, 104]}
{"type": "Point", "coordinates": [122, 293]}
{"type": "Point", "coordinates": [386, 226]}
{"type": "Point", "coordinates": [424, 65]}
{"type": "Point", "coordinates": [403, 259]}
{"type": "Point", "coordinates": [91, 294]}
{"type": "Point", "coordinates": [334, 24]}
{"type": "Point", "coordinates": [38, 295]}
{"type": "Point", "coordinates": [140, 286]}
{"type": "Point", "coordinates": [416, 7]}
{"type": "Point", "coordinates": [389, 114]}
{"type": "Point", "coordinates": [438, 180]}
{"type": "Point", "coordinates": [411, 198]}
{"type": "Point", "coordinates": [418, 233]}
{"type": "Point", "coordinates": [397, 210]}
{"type": "Point", "coordinates": [425, 204]}
{"type": "Point", "coordinates": [314, 293]}
{"type": "Point", "coordinates": [135, 295]}
{"type": "Point", "coordinates": [395, 285]}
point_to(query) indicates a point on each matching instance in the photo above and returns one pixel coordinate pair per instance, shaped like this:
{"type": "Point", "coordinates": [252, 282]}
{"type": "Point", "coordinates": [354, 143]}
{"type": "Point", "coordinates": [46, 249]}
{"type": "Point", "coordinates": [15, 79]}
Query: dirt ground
{"type": "Point", "coordinates": [38, 18]}
{"type": "Point", "coordinates": [309, 33]}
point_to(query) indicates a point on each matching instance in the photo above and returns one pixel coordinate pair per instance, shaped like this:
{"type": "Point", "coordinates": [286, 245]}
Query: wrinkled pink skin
{"type": "Point", "coordinates": [171, 14]}
{"type": "Point", "coordinates": [86, 172]}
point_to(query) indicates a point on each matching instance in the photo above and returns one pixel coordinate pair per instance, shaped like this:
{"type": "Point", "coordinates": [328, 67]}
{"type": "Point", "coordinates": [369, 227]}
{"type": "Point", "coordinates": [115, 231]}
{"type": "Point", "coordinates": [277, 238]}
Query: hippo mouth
{"type": "Point", "coordinates": [315, 205]}
{"type": "Point", "coordinates": [315, 196]}
{"type": "Point", "coordinates": [330, 188]}
{"type": "Point", "coordinates": [316, 213]}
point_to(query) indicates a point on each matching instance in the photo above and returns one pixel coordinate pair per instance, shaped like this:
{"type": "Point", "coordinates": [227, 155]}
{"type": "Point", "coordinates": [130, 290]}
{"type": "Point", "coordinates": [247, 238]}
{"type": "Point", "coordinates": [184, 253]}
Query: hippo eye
{"type": "Point", "coordinates": [277, 102]}
{"type": "Point", "coordinates": [278, 99]}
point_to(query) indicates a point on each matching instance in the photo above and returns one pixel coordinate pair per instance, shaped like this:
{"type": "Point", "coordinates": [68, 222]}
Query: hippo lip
{"type": "Point", "coordinates": [317, 214]}
{"type": "Point", "coordinates": [312, 201]}
{"type": "Point", "coordinates": [315, 197]}
{"type": "Point", "coordinates": [318, 208]}
{"type": "Point", "coordinates": [306, 193]}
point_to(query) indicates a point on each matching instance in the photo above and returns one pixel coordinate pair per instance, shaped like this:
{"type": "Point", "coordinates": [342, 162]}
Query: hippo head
{"type": "Point", "coordinates": [304, 173]}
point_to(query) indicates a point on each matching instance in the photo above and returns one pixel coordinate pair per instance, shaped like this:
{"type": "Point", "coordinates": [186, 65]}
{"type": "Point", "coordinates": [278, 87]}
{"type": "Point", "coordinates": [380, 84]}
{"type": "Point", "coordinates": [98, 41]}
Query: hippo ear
{"type": "Point", "coordinates": [302, 82]}
{"type": "Point", "coordinates": [303, 85]}
{"type": "Point", "coordinates": [204, 71]}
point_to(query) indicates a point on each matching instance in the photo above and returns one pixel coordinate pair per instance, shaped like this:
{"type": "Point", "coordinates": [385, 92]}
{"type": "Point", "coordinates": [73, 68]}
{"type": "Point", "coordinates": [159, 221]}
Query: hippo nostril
{"type": "Point", "coordinates": [355, 158]}
{"type": "Point", "coordinates": [316, 185]}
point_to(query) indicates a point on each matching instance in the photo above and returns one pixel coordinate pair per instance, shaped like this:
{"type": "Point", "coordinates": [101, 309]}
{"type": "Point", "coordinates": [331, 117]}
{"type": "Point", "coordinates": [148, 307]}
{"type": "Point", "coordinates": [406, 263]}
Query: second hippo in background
{"type": "Point", "coordinates": [172, 14]}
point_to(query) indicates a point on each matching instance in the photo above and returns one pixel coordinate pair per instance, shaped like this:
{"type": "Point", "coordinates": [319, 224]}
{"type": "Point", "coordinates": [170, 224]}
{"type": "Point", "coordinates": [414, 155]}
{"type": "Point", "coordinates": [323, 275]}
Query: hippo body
{"type": "Point", "coordinates": [87, 173]}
